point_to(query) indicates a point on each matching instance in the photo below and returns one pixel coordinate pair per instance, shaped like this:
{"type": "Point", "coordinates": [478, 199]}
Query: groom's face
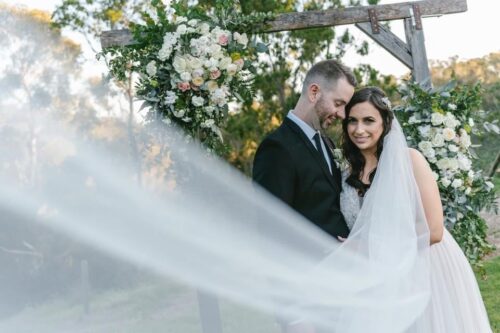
{"type": "Point", "coordinates": [331, 102]}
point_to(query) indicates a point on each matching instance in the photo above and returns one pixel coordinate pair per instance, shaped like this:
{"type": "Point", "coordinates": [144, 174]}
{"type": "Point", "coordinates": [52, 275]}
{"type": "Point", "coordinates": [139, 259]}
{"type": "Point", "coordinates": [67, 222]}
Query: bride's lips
{"type": "Point", "coordinates": [361, 140]}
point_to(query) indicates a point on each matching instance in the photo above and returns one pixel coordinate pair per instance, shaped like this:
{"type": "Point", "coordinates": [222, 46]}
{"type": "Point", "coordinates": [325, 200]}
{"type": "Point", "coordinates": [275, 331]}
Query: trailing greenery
{"type": "Point", "coordinates": [438, 122]}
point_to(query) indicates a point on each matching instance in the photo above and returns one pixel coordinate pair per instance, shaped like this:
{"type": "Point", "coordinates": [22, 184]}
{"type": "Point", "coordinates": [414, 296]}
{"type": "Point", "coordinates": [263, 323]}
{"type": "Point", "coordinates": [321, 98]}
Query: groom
{"type": "Point", "coordinates": [295, 162]}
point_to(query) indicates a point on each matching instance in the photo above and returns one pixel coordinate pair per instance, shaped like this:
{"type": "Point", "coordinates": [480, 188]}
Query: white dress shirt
{"type": "Point", "coordinates": [310, 132]}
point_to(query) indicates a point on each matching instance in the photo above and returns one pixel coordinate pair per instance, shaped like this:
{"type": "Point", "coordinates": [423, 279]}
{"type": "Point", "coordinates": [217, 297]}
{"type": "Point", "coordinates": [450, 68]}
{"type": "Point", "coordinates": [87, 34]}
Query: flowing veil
{"type": "Point", "coordinates": [88, 248]}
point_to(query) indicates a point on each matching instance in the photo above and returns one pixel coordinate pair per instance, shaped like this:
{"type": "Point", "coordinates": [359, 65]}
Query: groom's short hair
{"type": "Point", "coordinates": [328, 71]}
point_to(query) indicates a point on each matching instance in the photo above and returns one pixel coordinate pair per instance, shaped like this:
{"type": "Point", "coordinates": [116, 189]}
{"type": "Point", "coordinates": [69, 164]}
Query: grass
{"type": "Point", "coordinates": [490, 290]}
{"type": "Point", "coordinates": [168, 307]}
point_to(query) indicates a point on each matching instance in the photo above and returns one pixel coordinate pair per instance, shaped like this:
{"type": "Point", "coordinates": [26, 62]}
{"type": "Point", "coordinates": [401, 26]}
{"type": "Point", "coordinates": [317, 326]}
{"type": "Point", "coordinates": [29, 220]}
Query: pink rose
{"type": "Point", "coordinates": [223, 39]}
{"type": "Point", "coordinates": [183, 86]}
{"type": "Point", "coordinates": [214, 75]}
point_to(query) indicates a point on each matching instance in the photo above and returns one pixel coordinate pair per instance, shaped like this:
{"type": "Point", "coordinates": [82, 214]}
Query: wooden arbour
{"type": "Point", "coordinates": [411, 53]}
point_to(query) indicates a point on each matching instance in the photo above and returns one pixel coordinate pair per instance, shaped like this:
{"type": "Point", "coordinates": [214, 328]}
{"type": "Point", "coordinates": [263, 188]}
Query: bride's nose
{"type": "Point", "coordinates": [359, 129]}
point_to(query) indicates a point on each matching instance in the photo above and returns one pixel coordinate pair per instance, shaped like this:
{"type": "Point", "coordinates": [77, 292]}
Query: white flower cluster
{"type": "Point", "coordinates": [201, 69]}
{"type": "Point", "coordinates": [446, 145]}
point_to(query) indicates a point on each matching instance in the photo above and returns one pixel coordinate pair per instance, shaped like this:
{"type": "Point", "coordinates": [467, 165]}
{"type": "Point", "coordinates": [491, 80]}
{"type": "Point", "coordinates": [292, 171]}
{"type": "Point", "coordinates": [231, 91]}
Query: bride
{"type": "Point", "coordinates": [455, 303]}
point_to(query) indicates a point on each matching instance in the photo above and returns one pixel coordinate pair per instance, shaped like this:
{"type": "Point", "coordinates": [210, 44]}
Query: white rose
{"type": "Point", "coordinates": [171, 98]}
{"type": "Point", "coordinates": [224, 62]}
{"type": "Point", "coordinates": [241, 39]}
{"type": "Point", "coordinates": [211, 63]}
{"type": "Point", "coordinates": [214, 49]}
{"type": "Point", "coordinates": [471, 122]}
{"type": "Point", "coordinates": [424, 145]}
{"type": "Point", "coordinates": [452, 148]}
{"type": "Point", "coordinates": [181, 29]}
{"type": "Point", "coordinates": [450, 121]}
{"type": "Point", "coordinates": [471, 175]}
{"type": "Point", "coordinates": [443, 164]}
{"type": "Point", "coordinates": [435, 175]}
{"type": "Point", "coordinates": [208, 123]}
{"type": "Point", "coordinates": [232, 69]}
{"type": "Point", "coordinates": [464, 139]}
{"type": "Point", "coordinates": [438, 140]}
{"type": "Point", "coordinates": [195, 63]}
{"type": "Point", "coordinates": [193, 22]}
{"type": "Point", "coordinates": [151, 68]}
{"type": "Point", "coordinates": [448, 134]}
{"type": "Point", "coordinates": [185, 76]}
{"type": "Point", "coordinates": [452, 106]}
{"type": "Point", "coordinates": [197, 101]}
{"type": "Point", "coordinates": [468, 190]}
{"type": "Point", "coordinates": [198, 72]}
{"type": "Point", "coordinates": [164, 53]}
{"type": "Point", "coordinates": [453, 164]}
{"type": "Point", "coordinates": [429, 153]}
{"type": "Point", "coordinates": [180, 64]}
{"type": "Point", "coordinates": [464, 163]}
{"type": "Point", "coordinates": [204, 28]}
{"type": "Point", "coordinates": [437, 118]}
{"type": "Point", "coordinates": [219, 97]}
{"type": "Point", "coordinates": [442, 152]}
{"type": "Point", "coordinates": [180, 19]}
{"type": "Point", "coordinates": [445, 182]}
{"type": "Point", "coordinates": [424, 130]}
{"type": "Point", "coordinates": [457, 183]}
{"type": "Point", "coordinates": [179, 113]}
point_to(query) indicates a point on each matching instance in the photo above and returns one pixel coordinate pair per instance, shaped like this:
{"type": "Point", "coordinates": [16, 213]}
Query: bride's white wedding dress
{"type": "Point", "coordinates": [456, 305]}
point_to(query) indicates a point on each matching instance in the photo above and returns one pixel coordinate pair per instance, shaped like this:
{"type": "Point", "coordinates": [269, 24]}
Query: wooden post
{"type": "Point", "coordinates": [416, 42]}
{"type": "Point", "coordinates": [210, 319]}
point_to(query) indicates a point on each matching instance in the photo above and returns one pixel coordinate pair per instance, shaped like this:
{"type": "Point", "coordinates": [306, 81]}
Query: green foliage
{"type": "Point", "coordinates": [485, 70]}
{"type": "Point", "coordinates": [187, 74]}
{"type": "Point", "coordinates": [438, 123]}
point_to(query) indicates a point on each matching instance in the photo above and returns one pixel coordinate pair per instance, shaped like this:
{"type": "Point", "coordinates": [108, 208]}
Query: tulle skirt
{"type": "Point", "coordinates": [456, 304]}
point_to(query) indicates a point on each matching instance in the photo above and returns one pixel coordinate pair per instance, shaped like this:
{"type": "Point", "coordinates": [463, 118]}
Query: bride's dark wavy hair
{"type": "Point", "coordinates": [378, 99]}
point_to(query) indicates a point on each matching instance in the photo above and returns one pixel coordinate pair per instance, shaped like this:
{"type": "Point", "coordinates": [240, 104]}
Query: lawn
{"type": "Point", "coordinates": [490, 289]}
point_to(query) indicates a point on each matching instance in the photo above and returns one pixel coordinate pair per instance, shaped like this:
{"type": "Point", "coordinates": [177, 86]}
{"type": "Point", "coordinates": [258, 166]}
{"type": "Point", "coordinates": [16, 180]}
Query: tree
{"type": "Point", "coordinates": [90, 18]}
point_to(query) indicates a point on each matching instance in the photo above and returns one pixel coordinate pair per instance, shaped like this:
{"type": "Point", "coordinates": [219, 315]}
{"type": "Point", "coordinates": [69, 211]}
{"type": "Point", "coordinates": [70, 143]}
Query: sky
{"type": "Point", "coordinates": [471, 34]}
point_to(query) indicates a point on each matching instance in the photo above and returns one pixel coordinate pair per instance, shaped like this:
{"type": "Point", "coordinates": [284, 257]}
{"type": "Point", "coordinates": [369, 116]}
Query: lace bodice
{"type": "Point", "coordinates": [350, 202]}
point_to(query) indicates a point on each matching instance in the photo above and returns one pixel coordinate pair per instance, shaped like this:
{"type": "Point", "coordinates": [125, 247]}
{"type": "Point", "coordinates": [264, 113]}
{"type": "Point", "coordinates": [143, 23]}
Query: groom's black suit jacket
{"type": "Point", "coordinates": [288, 165]}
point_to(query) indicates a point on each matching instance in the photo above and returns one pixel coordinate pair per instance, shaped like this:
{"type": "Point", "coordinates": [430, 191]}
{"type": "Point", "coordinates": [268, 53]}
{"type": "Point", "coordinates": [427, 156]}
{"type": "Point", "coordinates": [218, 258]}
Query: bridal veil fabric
{"type": "Point", "coordinates": [86, 247]}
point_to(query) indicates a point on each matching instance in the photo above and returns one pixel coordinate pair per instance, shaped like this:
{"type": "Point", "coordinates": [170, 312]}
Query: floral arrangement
{"type": "Point", "coordinates": [439, 124]}
{"type": "Point", "coordinates": [191, 65]}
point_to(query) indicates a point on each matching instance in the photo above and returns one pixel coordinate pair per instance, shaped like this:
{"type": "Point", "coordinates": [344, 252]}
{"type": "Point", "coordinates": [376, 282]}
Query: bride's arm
{"type": "Point", "coordinates": [429, 192]}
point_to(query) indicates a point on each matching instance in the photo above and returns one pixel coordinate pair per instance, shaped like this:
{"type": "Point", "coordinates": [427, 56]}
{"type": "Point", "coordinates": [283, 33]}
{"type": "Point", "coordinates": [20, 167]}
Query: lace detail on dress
{"type": "Point", "coordinates": [350, 203]}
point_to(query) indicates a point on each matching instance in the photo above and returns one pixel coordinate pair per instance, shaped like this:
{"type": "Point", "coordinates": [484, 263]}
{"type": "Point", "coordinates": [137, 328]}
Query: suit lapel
{"type": "Point", "coordinates": [314, 152]}
{"type": "Point", "coordinates": [335, 170]}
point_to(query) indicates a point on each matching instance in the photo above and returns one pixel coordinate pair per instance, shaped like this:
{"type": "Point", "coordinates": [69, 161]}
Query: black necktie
{"type": "Point", "coordinates": [318, 147]}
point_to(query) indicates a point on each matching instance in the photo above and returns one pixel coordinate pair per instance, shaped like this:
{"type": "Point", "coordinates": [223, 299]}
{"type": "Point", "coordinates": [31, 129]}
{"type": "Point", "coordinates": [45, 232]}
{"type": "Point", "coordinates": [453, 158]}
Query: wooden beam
{"type": "Point", "coordinates": [351, 15]}
{"type": "Point", "coordinates": [390, 42]}
{"type": "Point", "coordinates": [415, 39]}
{"type": "Point", "coordinates": [327, 18]}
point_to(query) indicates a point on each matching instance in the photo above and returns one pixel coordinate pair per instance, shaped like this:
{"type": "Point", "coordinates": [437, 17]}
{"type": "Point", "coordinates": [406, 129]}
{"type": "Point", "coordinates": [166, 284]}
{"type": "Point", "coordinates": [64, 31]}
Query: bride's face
{"type": "Point", "coordinates": [365, 126]}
